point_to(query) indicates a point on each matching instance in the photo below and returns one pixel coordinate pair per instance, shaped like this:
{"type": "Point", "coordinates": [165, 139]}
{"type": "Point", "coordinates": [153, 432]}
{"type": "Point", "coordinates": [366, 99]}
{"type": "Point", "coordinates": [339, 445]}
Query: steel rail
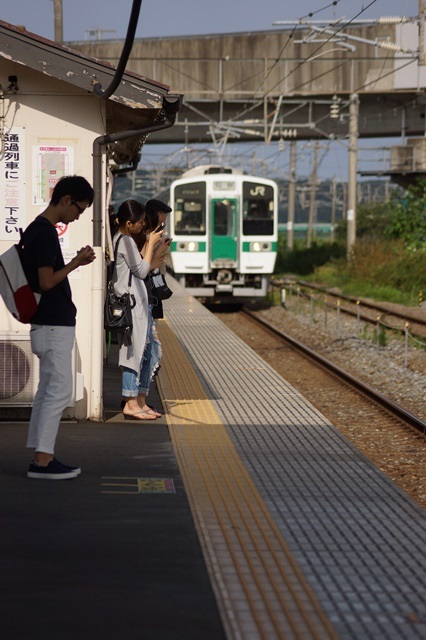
{"type": "Point", "coordinates": [401, 413]}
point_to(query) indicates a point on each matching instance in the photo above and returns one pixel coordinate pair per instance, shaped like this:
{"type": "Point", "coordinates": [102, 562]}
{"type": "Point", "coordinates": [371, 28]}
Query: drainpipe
{"type": "Point", "coordinates": [171, 105]}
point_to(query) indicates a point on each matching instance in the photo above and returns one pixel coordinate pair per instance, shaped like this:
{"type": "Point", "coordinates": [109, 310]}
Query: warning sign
{"type": "Point", "coordinates": [63, 234]}
{"type": "Point", "coordinates": [61, 228]}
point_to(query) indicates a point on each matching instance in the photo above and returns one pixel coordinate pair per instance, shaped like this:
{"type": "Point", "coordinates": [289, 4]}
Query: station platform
{"type": "Point", "coordinates": [241, 514]}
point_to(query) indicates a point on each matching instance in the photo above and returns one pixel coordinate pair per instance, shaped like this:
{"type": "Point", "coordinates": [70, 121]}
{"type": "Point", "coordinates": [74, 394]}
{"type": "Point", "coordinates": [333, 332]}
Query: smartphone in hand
{"type": "Point", "coordinates": [160, 228]}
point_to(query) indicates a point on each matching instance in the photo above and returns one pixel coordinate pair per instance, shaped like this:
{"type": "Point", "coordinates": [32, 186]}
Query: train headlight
{"type": "Point", "coordinates": [260, 246]}
{"type": "Point", "coordinates": [187, 246]}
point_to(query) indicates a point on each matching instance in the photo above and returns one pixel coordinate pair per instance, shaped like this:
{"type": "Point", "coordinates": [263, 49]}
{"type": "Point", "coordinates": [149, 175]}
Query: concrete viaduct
{"type": "Point", "coordinates": [330, 82]}
{"type": "Point", "coordinates": [293, 83]}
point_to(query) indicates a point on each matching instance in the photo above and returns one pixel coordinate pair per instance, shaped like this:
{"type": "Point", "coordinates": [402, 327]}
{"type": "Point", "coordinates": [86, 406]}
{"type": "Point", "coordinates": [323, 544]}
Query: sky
{"type": "Point", "coordinates": [187, 17]}
{"type": "Point", "coordinates": [198, 17]}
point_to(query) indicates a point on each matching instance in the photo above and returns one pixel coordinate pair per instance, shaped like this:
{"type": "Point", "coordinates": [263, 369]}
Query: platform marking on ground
{"type": "Point", "coordinates": [261, 591]}
{"type": "Point", "coordinates": [156, 485]}
{"type": "Point", "coordinates": [138, 485]}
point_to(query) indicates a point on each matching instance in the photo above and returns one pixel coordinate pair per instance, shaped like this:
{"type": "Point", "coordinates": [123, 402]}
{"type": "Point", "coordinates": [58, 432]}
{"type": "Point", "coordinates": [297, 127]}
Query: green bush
{"type": "Point", "coordinates": [303, 261]}
{"type": "Point", "coordinates": [389, 258]}
{"type": "Point", "coordinates": [372, 219]}
{"type": "Point", "coordinates": [379, 269]}
{"type": "Point", "coordinates": [408, 216]}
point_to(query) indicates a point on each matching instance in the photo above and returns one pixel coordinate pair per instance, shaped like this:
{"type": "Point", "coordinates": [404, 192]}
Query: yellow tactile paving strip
{"type": "Point", "coordinates": [261, 592]}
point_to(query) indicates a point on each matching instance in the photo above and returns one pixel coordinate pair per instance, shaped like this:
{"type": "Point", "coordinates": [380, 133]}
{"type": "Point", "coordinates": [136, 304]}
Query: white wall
{"type": "Point", "coordinates": [411, 76]}
{"type": "Point", "coordinates": [52, 114]}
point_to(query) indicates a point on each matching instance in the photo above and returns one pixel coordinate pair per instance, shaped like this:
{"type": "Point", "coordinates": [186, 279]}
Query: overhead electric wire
{"type": "Point", "coordinates": [277, 59]}
{"type": "Point", "coordinates": [305, 60]}
{"type": "Point", "coordinates": [380, 76]}
{"type": "Point", "coordinates": [249, 107]}
{"type": "Point", "coordinates": [309, 58]}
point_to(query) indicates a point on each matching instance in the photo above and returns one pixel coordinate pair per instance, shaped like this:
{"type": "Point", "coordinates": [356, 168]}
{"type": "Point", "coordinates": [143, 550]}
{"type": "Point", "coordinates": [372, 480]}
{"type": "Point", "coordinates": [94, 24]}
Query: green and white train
{"type": "Point", "coordinates": [224, 230]}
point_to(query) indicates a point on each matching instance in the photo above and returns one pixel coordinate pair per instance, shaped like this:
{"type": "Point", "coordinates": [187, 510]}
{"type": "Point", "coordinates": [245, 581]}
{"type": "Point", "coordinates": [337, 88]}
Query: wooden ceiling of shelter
{"type": "Point", "coordinates": [121, 118]}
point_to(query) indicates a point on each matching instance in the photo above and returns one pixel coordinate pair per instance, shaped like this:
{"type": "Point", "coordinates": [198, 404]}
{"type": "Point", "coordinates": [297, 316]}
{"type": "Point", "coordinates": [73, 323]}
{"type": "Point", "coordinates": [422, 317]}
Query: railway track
{"type": "Point", "coordinates": [393, 444]}
{"type": "Point", "coordinates": [399, 412]}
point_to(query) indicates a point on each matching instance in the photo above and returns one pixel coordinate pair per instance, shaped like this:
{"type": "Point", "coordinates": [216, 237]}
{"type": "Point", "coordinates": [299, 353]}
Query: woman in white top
{"type": "Point", "coordinates": [130, 219]}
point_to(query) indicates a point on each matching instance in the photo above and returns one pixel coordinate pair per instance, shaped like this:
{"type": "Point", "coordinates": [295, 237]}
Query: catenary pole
{"type": "Point", "coordinates": [291, 195]}
{"type": "Point", "coordinates": [333, 208]}
{"type": "Point", "coordinates": [58, 18]}
{"type": "Point", "coordinates": [353, 156]}
{"type": "Point", "coordinates": [312, 199]}
{"type": "Point", "coordinates": [422, 61]}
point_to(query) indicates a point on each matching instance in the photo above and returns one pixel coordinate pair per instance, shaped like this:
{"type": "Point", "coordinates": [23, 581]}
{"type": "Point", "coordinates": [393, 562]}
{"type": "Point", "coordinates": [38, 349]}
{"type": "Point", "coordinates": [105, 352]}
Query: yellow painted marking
{"type": "Point", "coordinates": [248, 559]}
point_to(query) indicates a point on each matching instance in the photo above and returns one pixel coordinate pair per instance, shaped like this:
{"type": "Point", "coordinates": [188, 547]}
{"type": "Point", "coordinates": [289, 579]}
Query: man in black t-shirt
{"type": "Point", "coordinates": [53, 325]}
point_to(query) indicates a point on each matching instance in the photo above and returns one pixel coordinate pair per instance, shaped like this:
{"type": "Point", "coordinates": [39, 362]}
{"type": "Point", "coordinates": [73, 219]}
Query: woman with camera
{"type": "Point", "coordinates": [153, 353]}
{"type": "Point", "coordinates": [131, 219]}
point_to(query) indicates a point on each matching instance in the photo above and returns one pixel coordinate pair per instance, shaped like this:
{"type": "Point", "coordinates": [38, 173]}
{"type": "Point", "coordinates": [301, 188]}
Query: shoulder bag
{"type": "Point", "coordinates": [17, 294]}
{"type": "Point", "coordinates": [160, 290]}
{"type": "Point", "coordinates": [118, 309]}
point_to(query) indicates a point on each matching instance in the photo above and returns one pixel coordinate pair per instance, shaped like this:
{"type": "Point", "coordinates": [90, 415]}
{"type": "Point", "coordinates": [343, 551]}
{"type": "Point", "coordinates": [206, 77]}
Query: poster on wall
{"type": "Point", "coordinates": [12, 191]}
{"type": "Point", "coordinates": [50, 163]}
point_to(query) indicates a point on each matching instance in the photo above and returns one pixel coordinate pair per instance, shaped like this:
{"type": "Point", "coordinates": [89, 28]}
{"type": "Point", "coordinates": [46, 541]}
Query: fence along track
{"type": "Point", "coordinates": [379, 310]}
{"type": "Point", "coordinates": [369, 305]}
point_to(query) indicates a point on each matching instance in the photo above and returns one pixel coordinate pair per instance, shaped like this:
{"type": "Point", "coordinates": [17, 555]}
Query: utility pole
{"type": "Point", "coordinates": [253, 163]}
{"type": "Point", "coordinates": [353, 156]}
{"type": "Point", "coordinates": [422, 11]}
{"type": "Point", "coordinates": [312, 199]}
{"type": "Point", "coordinates": [291, 195]}
{"type": "Point", "coordinates": [387, 191]}
{"type": "Point", "coordinates": [57, 11]}
{"type": "Point", "coordinates": [333, 208]}
{"type": "Point", "coordinates": [344, 200]}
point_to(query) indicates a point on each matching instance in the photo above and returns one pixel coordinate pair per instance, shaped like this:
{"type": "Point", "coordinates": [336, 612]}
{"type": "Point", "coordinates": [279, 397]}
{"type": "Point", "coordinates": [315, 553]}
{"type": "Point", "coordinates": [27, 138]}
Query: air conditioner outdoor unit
{"type": "Point", "coordinates": [19, 372]}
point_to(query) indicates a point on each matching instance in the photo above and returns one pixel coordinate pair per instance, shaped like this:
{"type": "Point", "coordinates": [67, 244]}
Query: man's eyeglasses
{"type": "Point", "coordinates": [80, 209]}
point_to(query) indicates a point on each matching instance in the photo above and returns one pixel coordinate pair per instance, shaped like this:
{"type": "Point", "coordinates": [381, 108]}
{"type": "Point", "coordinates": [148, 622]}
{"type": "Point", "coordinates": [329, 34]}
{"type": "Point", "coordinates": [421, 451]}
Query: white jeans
{"type": "Point", "coordinates": [53, 346]}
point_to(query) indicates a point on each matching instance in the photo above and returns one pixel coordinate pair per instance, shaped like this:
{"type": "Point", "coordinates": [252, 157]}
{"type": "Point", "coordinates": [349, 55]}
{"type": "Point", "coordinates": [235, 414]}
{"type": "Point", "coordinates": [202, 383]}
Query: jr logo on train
{"type": "Point", "coordinates": [224, 226]}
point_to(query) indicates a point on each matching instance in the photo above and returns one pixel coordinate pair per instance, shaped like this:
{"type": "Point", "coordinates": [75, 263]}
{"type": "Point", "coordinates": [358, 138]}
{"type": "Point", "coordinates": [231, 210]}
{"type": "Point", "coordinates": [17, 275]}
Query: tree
{"type": "Point", "coordinates": [408, 216]}
{"type": "Point", "coordinates": [372, 220]}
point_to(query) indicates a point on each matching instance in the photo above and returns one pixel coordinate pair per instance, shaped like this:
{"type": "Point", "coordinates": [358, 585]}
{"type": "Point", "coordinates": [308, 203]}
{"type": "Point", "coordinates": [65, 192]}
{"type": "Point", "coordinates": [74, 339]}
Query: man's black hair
{"type": "Point", "coordinates": [157, 206]}
{"type": "Point", "coordinates": [75, 186]}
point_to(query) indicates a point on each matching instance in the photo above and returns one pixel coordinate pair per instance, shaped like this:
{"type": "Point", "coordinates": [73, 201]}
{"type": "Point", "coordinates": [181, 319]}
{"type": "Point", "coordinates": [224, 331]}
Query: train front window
{"type": "Point", "coordinates": [190, 209]}
{"type": "Point", "coordinates": [258, 209]}
{"type": "Point", "coordinates": [223, 217]}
